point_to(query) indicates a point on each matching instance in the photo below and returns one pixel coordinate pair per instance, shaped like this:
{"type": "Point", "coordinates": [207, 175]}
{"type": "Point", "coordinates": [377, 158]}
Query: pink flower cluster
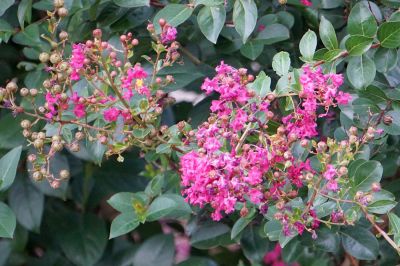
{"type": "Point", "coordinates": [306, 2]}
{"type": "Point", "coordinates": [77, 60]}
{"type": "Point", "coordinates": [274, 257]}
{"type": "Point", "coordinates": [227, 170]}
{"type": "Point", "coordinates": [134, 73]}
{"type": "Point", "coordinates": [168, 34]}
{"type": "Point", "coordinates": [318, 90]}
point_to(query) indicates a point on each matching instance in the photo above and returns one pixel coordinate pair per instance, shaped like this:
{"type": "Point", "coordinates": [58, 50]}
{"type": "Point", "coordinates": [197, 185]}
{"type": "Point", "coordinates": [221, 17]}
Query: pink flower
{"type": "Point", "coordinates": [111, 114]}
{"type": "Point", "coordinates": [254, 176]}
{"type": "Point", "coordinates": [255, 196]}
{"type": "Point", "coordinates": [168, 35]}
{"type": "Point", "coordinates": [332, 185]}
{"type": "Point", "coordinates": [79, 110]}
{"type": "Point", "coordinates": [136, 72]}
{"type": "Point", "coordinates": [77, 60]}
{"type": "Point", "coordinates": [330, 172]}
{"type": "Point", "coordinates": [306, 2]}
{"type": "Point", "coordinates": [343, 98]}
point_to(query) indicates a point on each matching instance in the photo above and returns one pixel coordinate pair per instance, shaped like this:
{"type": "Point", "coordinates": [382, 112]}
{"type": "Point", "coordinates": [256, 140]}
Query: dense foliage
{"type": "Point", "coordinates": [205, 132]}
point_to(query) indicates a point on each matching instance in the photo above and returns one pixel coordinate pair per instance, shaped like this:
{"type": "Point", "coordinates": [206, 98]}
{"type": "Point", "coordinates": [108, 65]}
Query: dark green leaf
{"type": "Point", "coordinates": [123, 223]}
{"type": "Point", "coordinates": [29, 36]}
{"type": "Point", "coordinates": [366, 174]}
{"type": "Point", "coordinates": [158, 250]}
{"type": "Point", "coordinates": [241, 224]}
{"type": "Point", "coordinates": [245, 17]}
{"type": "Point", "coordinates": [261, 85]}
{"type": "Point", "coordinates": [360, 243]}
{"type": "Point", "coordinates": [327, 34]}
{"type": "Point", "coordinates": [272, 34]}
{"type": "Point", "coordinates": [174, 14]}
{"type": "Point", "coordinates": [132, 3]}
{"type": "Point", "coordinates": [8, 167]}
{"type": "Point", "coordinates": [210, 235]}
{"type": "Point", "coordinates": [122, 202]}
{"type": "Point", "coordinates": [168, 205]}
{"type": "Point", "coordinates": [211, 20]}
{"type": "Point", "coordinates": [7, 221]}
{"type": "Point", "coordinates": [357, 45]}
{"type": "Point", "coordinates": [252, 50]}
{"type": "Point", "coordinates": [83, 240]}
{"type": "Point", "coordinates": [385, 59]}
{"type": "Point", "coordinates": [27, 203]}
{"type": "Point", "coordinates": [281, 63]}
{"type": "Point", "coordinates": [308, 44]}
{"type": "Point", "coordinates": [4, 5]}
{"type": "Point", "coordinates": [361, 71]}
{"type": "Point", "coordinates": [253, 245]}
{"type": "Point", "coordinates": [389, 34]}
{"type": "Point", "coordinates": [361, 21]}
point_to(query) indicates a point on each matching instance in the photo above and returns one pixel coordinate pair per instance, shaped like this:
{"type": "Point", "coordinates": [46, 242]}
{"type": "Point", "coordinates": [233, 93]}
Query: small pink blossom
{"type": "Point", "coordinates": [77, 60]}
{"type": "Point", "coordinates": [168, 35]}
{"type": "Point", "coordinates": [111, 114]}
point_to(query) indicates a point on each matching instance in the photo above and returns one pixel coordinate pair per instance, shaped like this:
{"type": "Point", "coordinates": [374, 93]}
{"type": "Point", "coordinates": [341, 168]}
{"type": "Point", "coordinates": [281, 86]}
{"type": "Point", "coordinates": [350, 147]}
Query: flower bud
{"type": "Point", "coordinates": [58, 3]}
{"type": "Point", "coordinates": [62, 12]}
{"type": "Point", "coordinates": [353, 139]}
{"type": "Point", "coordinates": [79, 135]}
{"type": "Point", "coordinates": [33, 92]}
{"type": "Point", "coordinates": [31, 158]}
{"type": "Point", "coordinates": [55, 58]}
{"type": "Point", "coordinates": [353, 131]}
{"type": "Point", "coordinates": [97, 33]}
{"type": "Point", "coordinates": [304, 143]}
{"type": "Point", "coordinates": [281, 130]}
{"type": "Point", "coordinates": [162, 22]}
{"type": "Point", "coordinates": [55, 184]}
{"type": "Point", "coordinates": [387, 120]}
{"type": "Point", "coordinates": [64, 174]}
{"type": "Point", "coordinates": [244, 211]}
{"type": "Point", "coordinates": [11, 87]}
{"type": "Point", "coordinates": [24, 92]}
{"type": "Point", "coordinates": [26, 133]}
{"type": "Point", "coordinates": [37, 176]}
{"type": "Point", "coordinates": [271, 97]}
{"type": "Point", "coordinates": [57, 146]}
{"type": "Point", "coordinates": [38, 143]}
{"type": "Point", "coordinates": [75, 147]}
{"type": "Point", "coordinates": [376, 187]}
{"type": "Point", "coordinates": [44, 57]}
{"type": "Point", "coordinates": [63, 35]}
{"type": "Point", "coordinates": [343, 171]}
{"type": "Point", "coordinates": [135, 42]}
{"type": "Point", "coordinates": [25, 124]}
{"type": "Point", "coordinates": [282, 2]}
{"type": "Point", "coordinates": [359, 194]}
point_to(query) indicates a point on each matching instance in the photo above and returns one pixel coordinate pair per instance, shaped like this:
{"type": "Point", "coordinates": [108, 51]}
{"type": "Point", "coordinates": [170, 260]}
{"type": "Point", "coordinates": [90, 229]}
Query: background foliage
{"type": "Point", "coordinates": [71, 225]}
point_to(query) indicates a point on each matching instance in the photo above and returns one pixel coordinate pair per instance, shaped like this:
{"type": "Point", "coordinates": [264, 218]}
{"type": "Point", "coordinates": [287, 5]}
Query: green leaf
{"type": "Point", "coordinates": [367, 173]}
{"type": "Point", "coordinates": [357, 45]}
{"type": "Point", "coordinates": [385, 59]}
{"type": "Point", "coordinates": [273, 229]}
{"type": "Point", "coordinates": [361, 71]}
{"type": "Point", "coordinates": [211, 20]}
{"type": "Point", "coordinates": [394, 223]}
{"type": "Point", "coordinates": [272, 34]}
{"type": "Point", "coordinates": [361, 21]}
{"type": "Point", "coordinates": [254, 246]}
{"type": "Point", "coordinates": [360, 243]}
{"type": "Point", "coordinates": [281, 63]}
{"type": "Point", "coordinates": [29, 36]}
{"type": "Point", "coordinates": [174, 14]}
{"type": "Point", "coordinates": [245, 17]}
{"type": "Point", "coordinates": [132, 3]}
{"type": "Point", "coordinates": [252, 50]}
{"type": "Point", "coordinates": [261, 85]}
{"type": "Point", "coordinates": [208, 2]}
{"type": "Point", "coordinates": [141, 133]}
{"type": "Point", "coordinates": [389, 34]}
{"type": "Point", "coordinates": [24, 12]}
{"type": "Point", "coordinates": [327, 240]}
{"type": "Point", "coordinates": [327, 34]}
{"type": "Point", "coordinates": [8, 167]}
{"type": "Point", "coordinates": [158, 250]}
{"type": "Point", "coordinates": [241, 224]}
{"type": "Point", "coordinates": [27, 203]}
{"type": "Point", "coordinates": [168, 205]}
{"type": "Point", "coordinates": [163, 148]}
{"type": "Point", "coordinates": [122, 201]}
{"type": "Point", "coordinates": [123, 223]}
{"type": "Point", "coordinates": [8, 221]}
{"type": "Point", "coordinates": [4, 5]}
{"type": "Point", "coordinates": [308, 44]}
{"type": "Point", "coordinates": [83, 239]}
{"type": "Point", "coordinates": [210, 235]}
{"type": "Point", "coordinates": [394, 127]}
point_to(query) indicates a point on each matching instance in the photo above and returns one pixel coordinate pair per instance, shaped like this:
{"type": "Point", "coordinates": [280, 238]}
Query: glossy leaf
{"type": "Point", "coordinates": [252, 50]}
{"type": "Point", "coordinates": [361, 21]}
{"type": "Point", "coordinates": [211, 20]}
{"type": "Point", "coordinates": [357, 45]}
{"type": "Point", "coordinates": [308, 44]}
{"type": "Point", "coordinates": [327, 34]}
{"type": "Point", "coordinates": [360, 243]}
{"type": "Point", "coordinates": [7, 221]}
{"type": "Point", "coordinates": [132, 3]}
{"type": "Point", "coordinates": [367, 174]}
{"type": "Point", "coordinates": [385, 59]}
{"type": "Point", "coordinates": [157, 250]}
{"type": "Point", "coordinates": [168, 205]}
{"type": "Point", "coordinates": [361, 71]}
{"type": "Point", "coordinates": [174, 14]}
{"type": "Point", "coordinates": [389, 34]}
{"type": "Point", "coordinates": [123, 223]}
{"type": "Point", "coordinates": [245, 17]}
{"type": "Point", "coordinates": [8, 167]}
{"type": "Point", "coordinates": [281, 63]}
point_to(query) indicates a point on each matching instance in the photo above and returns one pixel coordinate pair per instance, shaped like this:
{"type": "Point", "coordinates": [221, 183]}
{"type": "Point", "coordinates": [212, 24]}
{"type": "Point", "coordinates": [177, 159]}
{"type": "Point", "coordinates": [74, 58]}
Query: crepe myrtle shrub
{"type": "Point", "coordinates": [292, 157]}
